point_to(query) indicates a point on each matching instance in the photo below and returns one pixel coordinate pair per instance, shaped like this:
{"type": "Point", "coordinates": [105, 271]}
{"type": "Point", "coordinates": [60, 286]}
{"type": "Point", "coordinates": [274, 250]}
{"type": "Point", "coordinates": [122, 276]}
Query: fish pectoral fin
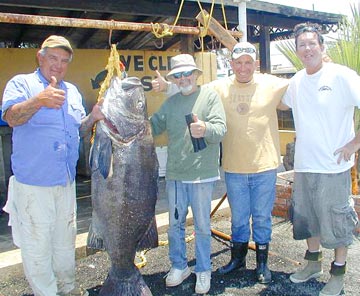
{"type": "Point", "coordinates": [105, 158]}
{"type": "Point", "coordinates": [100, 157]}
{"type": "Point", "coordinates": [150, 239]}
{"type": "Point", "coordinates": [94, 240]}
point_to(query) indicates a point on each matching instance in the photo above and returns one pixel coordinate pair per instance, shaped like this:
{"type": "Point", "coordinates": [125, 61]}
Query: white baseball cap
{"type": "Point", "coordinates": [243, 48]}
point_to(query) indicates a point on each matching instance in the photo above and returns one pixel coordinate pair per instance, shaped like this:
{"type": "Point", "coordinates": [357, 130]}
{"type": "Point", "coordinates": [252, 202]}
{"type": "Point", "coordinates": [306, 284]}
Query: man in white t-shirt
{"type": "Point", "coordinates": [322, 98]}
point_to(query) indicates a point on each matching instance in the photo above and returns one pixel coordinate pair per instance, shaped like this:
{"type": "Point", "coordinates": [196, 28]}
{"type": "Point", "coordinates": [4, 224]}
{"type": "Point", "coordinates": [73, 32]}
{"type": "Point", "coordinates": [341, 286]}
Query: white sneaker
{"type": "Point", "coordinates": [203, 282]}
{"type": "Point", "coordinates": [176, 276]}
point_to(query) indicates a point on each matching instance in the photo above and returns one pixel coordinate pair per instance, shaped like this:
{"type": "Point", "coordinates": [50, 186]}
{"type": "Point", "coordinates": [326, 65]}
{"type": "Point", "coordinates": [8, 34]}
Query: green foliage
{"type": "Point", "coordinates": [287, 48]}
{"type": "Point", "coordinates": [346, 50]}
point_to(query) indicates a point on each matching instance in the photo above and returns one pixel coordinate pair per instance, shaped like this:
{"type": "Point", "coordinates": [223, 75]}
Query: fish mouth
{"type": "Point", "coordinates": [112, 128]}
{"type": "Point", "coordinates": [126, 134]}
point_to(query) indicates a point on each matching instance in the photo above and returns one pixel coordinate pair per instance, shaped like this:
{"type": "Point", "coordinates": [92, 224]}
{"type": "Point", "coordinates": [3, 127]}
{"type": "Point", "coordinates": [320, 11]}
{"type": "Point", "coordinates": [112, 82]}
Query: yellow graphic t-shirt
{"type": "Point", "coordinates": [251, 144]}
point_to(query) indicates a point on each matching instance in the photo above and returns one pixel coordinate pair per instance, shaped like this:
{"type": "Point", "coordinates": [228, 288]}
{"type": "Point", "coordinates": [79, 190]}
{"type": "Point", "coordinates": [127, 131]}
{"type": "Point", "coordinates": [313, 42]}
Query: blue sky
{"type": "Point", "coordinates": [332, 6]}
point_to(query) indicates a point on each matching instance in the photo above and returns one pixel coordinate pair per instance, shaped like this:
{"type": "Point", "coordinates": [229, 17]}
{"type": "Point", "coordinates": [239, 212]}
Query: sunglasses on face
{"type": "Point", "coordinates": [243, 49]}
{"type": "Point", "coordinates": [302, 29]}
{"type": "Point", "coordinates": [185, 74]}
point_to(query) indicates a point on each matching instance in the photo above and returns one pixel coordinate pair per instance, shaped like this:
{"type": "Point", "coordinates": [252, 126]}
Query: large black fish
{"type": "Point", "coordinates": [124, 186]}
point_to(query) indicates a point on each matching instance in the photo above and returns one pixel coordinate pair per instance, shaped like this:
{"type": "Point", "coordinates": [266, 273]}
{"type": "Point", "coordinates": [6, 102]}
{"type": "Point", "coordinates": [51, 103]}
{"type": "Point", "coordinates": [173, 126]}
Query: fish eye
{"type": "Point", "coordinates": [140, 105]}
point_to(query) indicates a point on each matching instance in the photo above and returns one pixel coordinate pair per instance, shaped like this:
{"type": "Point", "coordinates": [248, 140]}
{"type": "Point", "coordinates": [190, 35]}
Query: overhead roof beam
{"type": "Point", "coordinates": [96, 24]}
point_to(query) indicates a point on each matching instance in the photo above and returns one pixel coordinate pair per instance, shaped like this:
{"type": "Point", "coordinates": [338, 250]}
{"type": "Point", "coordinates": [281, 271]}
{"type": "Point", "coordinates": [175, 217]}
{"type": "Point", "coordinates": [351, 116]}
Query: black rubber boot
{"type": "Point", "coordinates": [262, 271]}
{"type": "Point", "coordinates": [238, 258]}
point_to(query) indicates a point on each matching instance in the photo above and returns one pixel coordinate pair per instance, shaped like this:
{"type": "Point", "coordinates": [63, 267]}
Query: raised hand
{"type": "Point", "coordinates": [197, 128]}
{"type": "Point", "coordinates": [159, 83]}
{"type": "Point", "coordinates": [51, 97]}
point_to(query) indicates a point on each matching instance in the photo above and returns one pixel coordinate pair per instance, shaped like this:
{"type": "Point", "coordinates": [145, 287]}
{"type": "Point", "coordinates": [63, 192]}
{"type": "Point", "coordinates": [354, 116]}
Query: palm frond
{"type": "Point", "coordinates": [287, 48]}
{"type": "Point", "coordinates": [346, 50]}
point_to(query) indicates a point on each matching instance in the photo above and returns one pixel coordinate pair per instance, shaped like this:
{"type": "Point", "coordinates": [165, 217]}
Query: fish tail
{"type": "Point", "coordinates": [121, 282]}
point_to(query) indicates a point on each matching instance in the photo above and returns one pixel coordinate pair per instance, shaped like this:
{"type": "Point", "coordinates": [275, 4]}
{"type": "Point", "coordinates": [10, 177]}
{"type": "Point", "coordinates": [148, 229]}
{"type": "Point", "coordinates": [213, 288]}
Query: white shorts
{"type": "Point", "coordinates": [43, 221]}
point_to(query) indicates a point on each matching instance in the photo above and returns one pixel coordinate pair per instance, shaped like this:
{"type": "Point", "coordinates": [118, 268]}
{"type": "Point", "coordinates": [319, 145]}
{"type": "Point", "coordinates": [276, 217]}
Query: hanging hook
{"type": "Point", "coordinates": [161, 45]}
{"type": "Point", "coordinates": [110, 33]}
{"type": "Point", "coordinates": [197, 46]}
{"type": "Point", "coordinates": [110, 37]}
{"type": "Point", "coordinates": [213, 46]}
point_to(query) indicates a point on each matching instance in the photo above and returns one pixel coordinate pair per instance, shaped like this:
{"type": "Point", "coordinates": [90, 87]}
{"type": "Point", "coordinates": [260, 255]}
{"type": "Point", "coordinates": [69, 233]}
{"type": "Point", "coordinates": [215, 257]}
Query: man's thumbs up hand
{"type": "Point", "coordinates": [159, 83]}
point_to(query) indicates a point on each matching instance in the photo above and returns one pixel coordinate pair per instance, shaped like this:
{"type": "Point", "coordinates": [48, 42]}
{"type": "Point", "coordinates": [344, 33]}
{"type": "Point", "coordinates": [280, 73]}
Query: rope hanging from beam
{"type": "Point", "coordinates": [164, 30]}
{"type": "Point", "coordinates": [206, 19]}
{"type": "Point", "coordinates": [224, 14]}
{"type": "Point", "coordinates": [113, 68]}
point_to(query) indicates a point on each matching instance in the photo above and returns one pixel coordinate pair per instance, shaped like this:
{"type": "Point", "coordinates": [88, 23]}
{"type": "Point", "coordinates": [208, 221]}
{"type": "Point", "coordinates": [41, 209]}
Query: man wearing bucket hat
{"type": "Point", "coordinates": [190, 174]}
{"type": "Point", "coordinates": [250, 154]}
{"type": "Point", "coordinates": [47, 116]}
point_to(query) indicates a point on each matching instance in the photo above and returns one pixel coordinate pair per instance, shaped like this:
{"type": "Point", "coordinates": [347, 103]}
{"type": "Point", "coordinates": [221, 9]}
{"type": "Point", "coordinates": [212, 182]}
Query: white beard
{"type": "Point", "coordinates": [186, 89]}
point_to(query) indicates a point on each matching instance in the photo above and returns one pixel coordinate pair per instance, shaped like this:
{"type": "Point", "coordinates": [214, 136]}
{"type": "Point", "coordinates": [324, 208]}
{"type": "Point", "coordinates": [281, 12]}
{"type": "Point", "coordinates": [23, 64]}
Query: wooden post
{"type": "Point", "coordinates": [206, 61]}
{"type": "Point", "coordinates": [216, 29]}
{"type": "Point", "coordinates": [354, 176]}
{"type": "Point", "coordinates": [187, 41]}
{"type": "Point", "coordinates": [265, 64]}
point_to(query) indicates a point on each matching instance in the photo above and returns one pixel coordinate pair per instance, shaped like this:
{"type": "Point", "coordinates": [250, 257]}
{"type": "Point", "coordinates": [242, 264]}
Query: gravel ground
{"type": "Point", "coordinates": [286, 255]}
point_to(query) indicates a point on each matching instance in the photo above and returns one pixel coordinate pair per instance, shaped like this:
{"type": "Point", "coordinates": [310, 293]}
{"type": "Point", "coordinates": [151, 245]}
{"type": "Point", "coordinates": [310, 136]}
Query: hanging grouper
{"type": "Point", "coordinates": [124, 185]}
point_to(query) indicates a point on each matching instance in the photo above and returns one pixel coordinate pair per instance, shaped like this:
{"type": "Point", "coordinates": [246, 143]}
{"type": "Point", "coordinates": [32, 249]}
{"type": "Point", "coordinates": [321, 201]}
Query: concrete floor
{"type": "Point", "coordinates": [285, 258]}
{"type": "Point", "coordinates": [9, 254]}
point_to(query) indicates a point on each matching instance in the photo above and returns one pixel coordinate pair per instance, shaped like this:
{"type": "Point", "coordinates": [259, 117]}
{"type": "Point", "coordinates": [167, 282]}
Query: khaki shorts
{"type": "Point", "coordinates": [322, 207]}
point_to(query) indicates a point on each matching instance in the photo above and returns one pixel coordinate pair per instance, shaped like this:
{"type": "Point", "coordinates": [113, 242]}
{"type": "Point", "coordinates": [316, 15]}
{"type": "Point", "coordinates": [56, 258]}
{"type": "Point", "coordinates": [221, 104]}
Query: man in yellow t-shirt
{"type": "Point", "coordinates": [251, 153]}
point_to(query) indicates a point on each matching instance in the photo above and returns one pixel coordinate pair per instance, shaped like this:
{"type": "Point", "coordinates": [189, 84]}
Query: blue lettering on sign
{"type": "Point", "coordinates": [137, 63]}
{"type": "Point", "coordinates": [126, 62]}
